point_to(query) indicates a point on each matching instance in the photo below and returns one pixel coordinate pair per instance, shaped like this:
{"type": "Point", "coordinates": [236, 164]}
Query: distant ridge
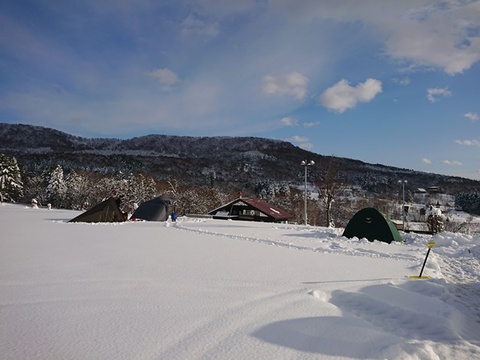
{"type": "Point", "coordinates": [223, 162]}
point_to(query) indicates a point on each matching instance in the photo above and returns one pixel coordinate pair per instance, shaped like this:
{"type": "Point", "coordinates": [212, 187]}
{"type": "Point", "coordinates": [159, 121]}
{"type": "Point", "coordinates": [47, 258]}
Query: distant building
{"type": "Point", "coordinates": [252, 210]}
{"type": "Point", "coordinates": [435, 189]}
{"type": "Point", "coordinates": [433, 195]}
{"type": "Point", "coordinates": [420, 194]}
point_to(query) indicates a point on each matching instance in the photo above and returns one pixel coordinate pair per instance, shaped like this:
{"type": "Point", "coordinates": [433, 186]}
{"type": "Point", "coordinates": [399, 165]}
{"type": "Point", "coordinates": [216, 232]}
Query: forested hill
{"type": "Point", "coordinates": [223, 162]}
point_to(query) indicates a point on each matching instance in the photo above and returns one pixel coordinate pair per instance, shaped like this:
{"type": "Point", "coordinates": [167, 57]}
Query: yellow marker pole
{"type": "Point", "coordinates": [431, 244]}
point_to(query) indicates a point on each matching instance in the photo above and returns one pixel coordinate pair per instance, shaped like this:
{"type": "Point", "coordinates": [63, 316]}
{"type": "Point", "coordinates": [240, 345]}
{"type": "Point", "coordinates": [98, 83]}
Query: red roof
{"type": "Point", "coordinates": [268, 209]}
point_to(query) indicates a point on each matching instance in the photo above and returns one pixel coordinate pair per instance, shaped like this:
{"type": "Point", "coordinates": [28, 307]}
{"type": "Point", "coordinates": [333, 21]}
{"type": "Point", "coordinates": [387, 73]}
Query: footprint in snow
{"type": "Point", "coordinates": [419, 317]}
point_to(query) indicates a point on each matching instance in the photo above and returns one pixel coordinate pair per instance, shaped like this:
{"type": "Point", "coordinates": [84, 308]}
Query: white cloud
{"type": "Point", "coordinates": [302, 142]}
{"type": "Point", "coordinates": [473, 117]}
{"type": "Point", "coordinates": [306, 146]}
{"type": "Point", "coordinates": [300, 139]}
{"type": "Point", "coordinates": [164, 76]}
{"type": "Point", "coordinates": [426, 160]}
{"type": "Point", "coordinates": [439, 34]}
{"type": "Point", "coordinates": [225, 8]}
{"type": "Point", "coordinates": [294, 84]}
{"type": "Point", "coordinates": [452, 163]}
{"type": "Point", "coordinates": [193, 25]}
{"type": "Point", "coordinates": [434, 93]}
{"type": "Point", "coordinates": [402, 81]}
{"type": "Point", "coordinates": [468, 142]}
{"type": "Point", "coordinates": [343, 96]}
{"type": "Point", "coordinates": [288, 121]}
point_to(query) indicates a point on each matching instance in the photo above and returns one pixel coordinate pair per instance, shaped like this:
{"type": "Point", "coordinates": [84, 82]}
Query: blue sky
{"type": "Point", "coordinates": [388, 82]}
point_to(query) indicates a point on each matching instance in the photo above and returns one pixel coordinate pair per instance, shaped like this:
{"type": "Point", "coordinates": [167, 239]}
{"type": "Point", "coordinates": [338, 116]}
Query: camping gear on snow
{"type": "Point", "coordinates": [106, 211]}
{"type": "Point", "coordinates": [156, 209]}
{"type": "Point", "coordinates": [370, 223]}
{"type": "Point", "coordinates": [174, 216]}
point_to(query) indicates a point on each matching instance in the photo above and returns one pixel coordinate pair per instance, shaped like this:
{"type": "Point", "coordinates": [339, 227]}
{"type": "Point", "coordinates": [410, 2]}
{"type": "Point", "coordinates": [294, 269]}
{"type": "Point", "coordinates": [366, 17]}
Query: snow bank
{"type": "Point", "coordinates": [203, 289]}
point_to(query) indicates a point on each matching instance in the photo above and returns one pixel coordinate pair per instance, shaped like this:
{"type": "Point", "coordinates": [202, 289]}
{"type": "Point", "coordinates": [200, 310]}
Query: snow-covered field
{"type": "Point", "coordinates": [213, 289]}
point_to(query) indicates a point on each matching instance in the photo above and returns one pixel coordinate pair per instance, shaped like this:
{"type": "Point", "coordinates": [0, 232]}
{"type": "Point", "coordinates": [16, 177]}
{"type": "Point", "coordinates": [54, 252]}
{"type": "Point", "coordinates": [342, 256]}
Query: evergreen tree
{"type": "Point", "coordinates": [11, 185]}
{"type": "Point", "coordinates": [56, 188]}
{"type": "Point", "coordinates": [78, 191]}
{"type": "Point", "coordinates": [469, 202]}
{"type": "Point", "coordinates": [34, 188]}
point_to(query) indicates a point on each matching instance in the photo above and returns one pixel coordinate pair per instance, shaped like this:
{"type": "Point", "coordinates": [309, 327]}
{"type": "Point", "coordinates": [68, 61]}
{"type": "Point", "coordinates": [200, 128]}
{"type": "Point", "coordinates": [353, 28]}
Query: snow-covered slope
{"type": "Point", "coordinates": [226, 163]}
{"type": "Point", "coordinates": [212, 289]}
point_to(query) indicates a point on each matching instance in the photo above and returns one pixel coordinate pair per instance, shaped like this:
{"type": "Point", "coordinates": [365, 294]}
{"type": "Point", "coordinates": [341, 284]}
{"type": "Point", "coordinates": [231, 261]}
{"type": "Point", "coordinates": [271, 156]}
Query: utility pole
{"type": "Point", "coordinates": [306, 164]}
{"type": "Point", "coordinates": [403, 182]}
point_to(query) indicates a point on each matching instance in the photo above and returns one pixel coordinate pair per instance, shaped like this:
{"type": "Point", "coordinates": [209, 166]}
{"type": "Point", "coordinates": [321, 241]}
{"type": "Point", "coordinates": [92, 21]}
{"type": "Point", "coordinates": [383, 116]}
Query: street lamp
{"type": "Point", "coordinates": [306, 164]}
{"type": "Point", "coordinates": [403, 182]}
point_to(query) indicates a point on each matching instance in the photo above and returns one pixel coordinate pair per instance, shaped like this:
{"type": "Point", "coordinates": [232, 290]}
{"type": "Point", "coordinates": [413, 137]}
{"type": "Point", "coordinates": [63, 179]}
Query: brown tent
{"type": "Point", "coordinates": [106, 211]}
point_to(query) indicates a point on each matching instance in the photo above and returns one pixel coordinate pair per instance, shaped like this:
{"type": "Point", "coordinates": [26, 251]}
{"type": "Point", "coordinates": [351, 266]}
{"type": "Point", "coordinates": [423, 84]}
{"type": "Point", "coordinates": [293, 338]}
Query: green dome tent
{"type": "Point", "coordinates": [371, 224]}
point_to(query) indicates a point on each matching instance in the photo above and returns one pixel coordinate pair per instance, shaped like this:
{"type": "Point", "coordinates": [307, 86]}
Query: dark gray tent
{"type": "Point", "coordinates": [156, 209]}
{"type": "Point", "coordinates": [371, 224]}
{"type": "Point", "coordinates": [106, 211]}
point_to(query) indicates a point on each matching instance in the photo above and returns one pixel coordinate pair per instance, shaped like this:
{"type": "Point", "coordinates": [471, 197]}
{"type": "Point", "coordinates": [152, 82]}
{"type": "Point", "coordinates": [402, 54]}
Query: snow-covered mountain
{"type": "Point", "coordinates": [223, 162]}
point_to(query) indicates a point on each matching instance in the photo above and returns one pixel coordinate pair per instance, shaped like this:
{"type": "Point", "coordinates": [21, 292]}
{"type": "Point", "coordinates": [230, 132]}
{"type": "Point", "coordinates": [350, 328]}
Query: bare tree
{"type": "Point", "coordinates": [329, 188]}
{"type": "Point", "coordinates": [195, 200]}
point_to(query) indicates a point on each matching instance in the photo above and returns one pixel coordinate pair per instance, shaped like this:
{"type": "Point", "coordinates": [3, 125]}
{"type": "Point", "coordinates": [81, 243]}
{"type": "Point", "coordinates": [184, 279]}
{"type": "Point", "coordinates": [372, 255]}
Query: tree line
{"type": "Point", "coordinates": [329, 201]}
{"type": "Point", "coordinates": [81, 190]}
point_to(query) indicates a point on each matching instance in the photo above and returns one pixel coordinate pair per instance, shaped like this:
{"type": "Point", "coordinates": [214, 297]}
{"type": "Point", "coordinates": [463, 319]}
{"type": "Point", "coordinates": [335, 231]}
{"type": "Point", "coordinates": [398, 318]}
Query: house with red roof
{"type": "Point", "coordinates": [250, 209]}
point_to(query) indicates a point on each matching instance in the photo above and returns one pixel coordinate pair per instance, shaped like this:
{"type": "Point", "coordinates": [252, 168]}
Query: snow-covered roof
{"type": "Point", "coordinates": [264, 207]}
